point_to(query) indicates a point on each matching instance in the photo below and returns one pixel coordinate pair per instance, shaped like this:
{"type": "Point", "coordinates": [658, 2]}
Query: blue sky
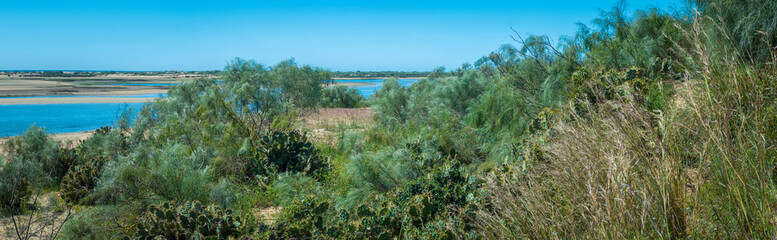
{"type": "Point", "coordinates": [336, 35]}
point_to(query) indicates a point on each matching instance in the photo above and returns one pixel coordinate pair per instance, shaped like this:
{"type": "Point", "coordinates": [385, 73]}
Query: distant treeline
{"type": "Point", "coordinates": [379, 74]}
{"type": "Point", "coordinates": [356, 74]}
{"type": "Point", "coordinates": [57, 73]}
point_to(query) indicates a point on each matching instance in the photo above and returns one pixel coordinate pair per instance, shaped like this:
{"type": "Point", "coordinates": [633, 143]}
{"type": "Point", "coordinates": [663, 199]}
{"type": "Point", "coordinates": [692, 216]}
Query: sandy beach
{"type": "Point", "coordinates": [16, 87]}
{"type": "Point", "coordinates": [351, 84]}
{"type": "Point", "coordinates": [24, 101]}
{"type": "Point", "coordinates": [17, 91]}
{"type": "Point", "coordinates": [13, 91]}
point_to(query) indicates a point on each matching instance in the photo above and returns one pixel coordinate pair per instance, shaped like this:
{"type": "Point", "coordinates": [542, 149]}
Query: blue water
{"type": "Point", "coordinates": [151, 95]}
{"type": "Point", "coordinates": [144, 84]}
{"type": "Point", "coordinates": [64, 118]}
{"type": "Point", "coordinates": [375, 84]}
{"type": "Point", "coordinates": [60, 118]}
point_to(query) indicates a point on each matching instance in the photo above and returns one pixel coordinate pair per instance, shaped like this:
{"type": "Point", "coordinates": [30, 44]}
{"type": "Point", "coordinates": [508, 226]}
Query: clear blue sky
{"type": "Point", "coordinates": [337, 35]}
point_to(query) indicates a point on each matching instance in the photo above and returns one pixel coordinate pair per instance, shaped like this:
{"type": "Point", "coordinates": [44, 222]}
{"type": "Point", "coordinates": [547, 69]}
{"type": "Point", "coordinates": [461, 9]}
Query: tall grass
{"type": "Point", "coordinates": [703, 168]}
{"type": "Point", "coordinates": [606, 179]}
{"type": "Point", "coordinates": [731, 113]}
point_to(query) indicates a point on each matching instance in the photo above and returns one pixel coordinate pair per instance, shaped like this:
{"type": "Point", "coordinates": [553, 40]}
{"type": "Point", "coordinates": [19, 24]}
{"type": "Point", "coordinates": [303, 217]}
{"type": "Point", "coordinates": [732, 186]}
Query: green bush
{"type": "Point", "coordinates": [17, 178]}
{"type": "Point", "coordinates": [35, 145]}
{"type": "Point", "coordinates": [303, 219]}
{"type": "Point", "coordinates": [437, 206]}
{"type": "Point", "coordinates": [280, 152]}
{"type": "Point", "coordinates": [289, 187]}
{"type": "Point", "coordinates": [372, 173]}
{"type": "Point", "coordinates": [341, 97]}
{"type": "Point", "coordinates": [80, 180]}
{"type": "Point", "coordinates": [100, 222]}
{"type": "Point", "coordinates": [190, 220]}
{"type": "Point", "coordinates": [390, 103]}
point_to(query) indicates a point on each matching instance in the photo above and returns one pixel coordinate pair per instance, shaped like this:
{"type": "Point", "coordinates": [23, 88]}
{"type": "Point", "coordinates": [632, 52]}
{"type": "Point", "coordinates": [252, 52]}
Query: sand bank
{"type": "Point", "coordinates": [26, 101]}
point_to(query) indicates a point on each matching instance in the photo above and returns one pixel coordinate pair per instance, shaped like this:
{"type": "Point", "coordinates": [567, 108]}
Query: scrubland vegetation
{"type": "Point", "coordinates": [652, 126]}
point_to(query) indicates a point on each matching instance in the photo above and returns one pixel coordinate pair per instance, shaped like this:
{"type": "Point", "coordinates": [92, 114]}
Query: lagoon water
{"type": "Point", "coordinates": [60, 118]}
{"type": "Point", "coordinates": [375, 84]}
{"type": "Point", "coordinates": [65, 118]}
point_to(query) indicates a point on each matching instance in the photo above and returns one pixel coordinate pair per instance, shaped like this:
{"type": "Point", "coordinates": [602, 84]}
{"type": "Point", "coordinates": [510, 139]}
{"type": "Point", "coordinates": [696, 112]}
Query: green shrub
{"type": "Point", "coordinates": [280, 152]}
{"type": "Point", "coordinates": [106, 143]}
{"type": "Point", "coordinates": [437, 206]}
{"type": "Point", "coordinates": [17, 178]}
{"type": "Point", "coordinates": [80, 180]}
{"type": "Point", "coordinates": [372, 173]}
{"type": "Point", "coordinates": [173, 172]}
{"type": "Point", "coordinates": [100, 222]}
{"type": "Point", "coordinates": [36, 146]}
{"type": "Point", "coordinates": [303, 219]}
{"type": "Point", "coordinates": [341, 97]}
{"type": "Point", "coordinates": [293, 186]}
{"type": "Point", "coordinates": [390, 103]}
{"type": "Point", "coordinates": [190, 220]}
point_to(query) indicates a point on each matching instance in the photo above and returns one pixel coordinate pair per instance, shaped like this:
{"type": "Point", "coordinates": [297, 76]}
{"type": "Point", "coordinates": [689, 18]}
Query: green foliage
{"type": "Point", "coordinates": [646, 40]}
{"type": "Point", "coordinates": [750, 25]}
{"type": "Point", "coordinates": [341, 97]}
{"type": "Point", "coordinates": [106, 143]}
{"type": "Point", "coordinates": [303, 218]}
{"type": "Point", "coordinates": [171, 173]}
{"type": "Point", "coordinates": [427, 208]}
{"type": "Point", "coordinates": [190, 220]}
{"type": "Point", "coordinates": [34, 145]}
{"type": "Point", "coordinates": [18, 178]}
{"type": "Point", "coordinates": [280, 152]}
{"type": "Point", "coordinates": [390, 103]}
{"type": "Point", "coordinates": [379, 74]}
{"type": "Point", "coordinates": [372, 173]}
{"type": "Point", "coordinates": [646, 126]}
{"type": "Point", "coordinates": [100, 222]}
{"type": "Point", "coordinates": [289, 187]}
{"type": "Point", "coordinates": [80, 180]}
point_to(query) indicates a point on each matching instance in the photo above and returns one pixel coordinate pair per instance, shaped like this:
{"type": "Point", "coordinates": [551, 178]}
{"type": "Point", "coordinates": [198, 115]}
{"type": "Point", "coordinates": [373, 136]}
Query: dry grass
{"type": "Point", "coordinates": [267, 215]}
{"type": "Point", "coordinates": [606, 178]}
{"type": "Point", "coordinates": [704, 169]}
{"type": "Point", "coordinates": [44, 222]}
{"type": "Point", "coordinates": [324, 124]}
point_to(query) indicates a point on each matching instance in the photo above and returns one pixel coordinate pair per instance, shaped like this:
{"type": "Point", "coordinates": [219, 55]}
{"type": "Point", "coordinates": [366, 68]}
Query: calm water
{"type": "Point", "coordinates": [60, 118]}
{"type": "Point", "coordinates": [150, 95]}
{"type": "Point", "coordinates": [375, 84]}
{"type": "Point", "coordinates": [143, 84]}
{"type": "Point", "coordinates": [65, 118]}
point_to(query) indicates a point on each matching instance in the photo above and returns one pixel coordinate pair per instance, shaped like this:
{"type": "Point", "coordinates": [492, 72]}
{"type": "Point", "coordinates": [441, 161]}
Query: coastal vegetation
{"type": "Point", "coordinates": [655, 125]}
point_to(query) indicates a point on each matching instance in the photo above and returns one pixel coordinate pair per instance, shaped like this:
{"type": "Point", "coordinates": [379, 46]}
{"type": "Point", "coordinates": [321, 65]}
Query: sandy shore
{"type": "Point", "coordinates": [350, 78]}
{"type": "Point", "coordinates": [352, 84]}
{"type": "Point", "coordinates": [28, 101]}
{"type": "Point", "coordinates": [19, 87]}
{"type": "Point", "coordinates": [88, 90]}
{"type": "Point", "coordinates": [61, 137]}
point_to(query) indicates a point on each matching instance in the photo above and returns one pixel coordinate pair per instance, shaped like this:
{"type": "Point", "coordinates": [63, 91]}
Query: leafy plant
{"type": "Point", "coordinates": [190, 220]}
{"type": "Point", "coordinates": [341, 97]}
{"type": "Point", "coordinates": [80, 180]}
{"type": "Point", "coordinates": [280, 152]}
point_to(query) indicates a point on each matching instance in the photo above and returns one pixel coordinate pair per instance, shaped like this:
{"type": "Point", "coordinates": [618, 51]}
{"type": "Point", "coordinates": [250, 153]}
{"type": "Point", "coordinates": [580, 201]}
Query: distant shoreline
{"type": "Point", "coordinates": [375, 78]}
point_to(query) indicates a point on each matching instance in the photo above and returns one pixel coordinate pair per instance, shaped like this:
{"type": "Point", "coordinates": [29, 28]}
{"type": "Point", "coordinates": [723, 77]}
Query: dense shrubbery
{"type": "Point", "coordinates": [281, 152]}
{"type": "Point", "coordinates": [190, 220]}
{"type": "Point", "coordinates": [80, 180]}
{"type": "Point", "coordinates": [651, 126]}
{"type": "Point", "coordinates": [15, 179]}
{"type": "Point", "coordinates": [341, 97]}
{"type": "Point", "coordinates": [35, 146]}
{"type": "Point", "coordinates": [436, 206]}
